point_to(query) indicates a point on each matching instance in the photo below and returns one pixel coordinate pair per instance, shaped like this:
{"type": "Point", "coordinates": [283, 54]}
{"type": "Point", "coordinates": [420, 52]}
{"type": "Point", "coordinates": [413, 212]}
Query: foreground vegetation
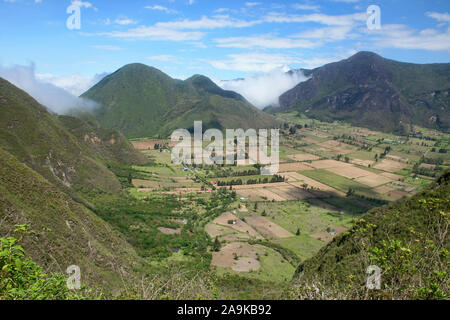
{"type": "Point", "coordinates": [407, 240]}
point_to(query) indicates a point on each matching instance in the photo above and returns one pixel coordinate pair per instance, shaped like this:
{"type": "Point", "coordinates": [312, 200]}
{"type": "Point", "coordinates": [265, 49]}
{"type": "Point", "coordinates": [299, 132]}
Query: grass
{"type": "Point", "coordinates": [292, 215]}
{"type": "Point", "coordinates": [403, 239]}
{"type": "Point", "coordinates": [285, 151]}
{"type": "Point", "coordinates": [363, 155]}
{"type": "Point", "coordinates": [339, 182]}
{"type": "Point", "coordinates": [61, 231]}
{"type": "Point", "coordinates": [160, 157]}
{"type": "Point", "coordinates": [303, 246]}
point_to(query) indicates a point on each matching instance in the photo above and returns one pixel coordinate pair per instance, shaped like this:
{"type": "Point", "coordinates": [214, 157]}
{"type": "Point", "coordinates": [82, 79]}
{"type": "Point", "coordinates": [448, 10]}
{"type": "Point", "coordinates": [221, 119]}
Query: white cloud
{"type": "Point", "coordinates": [301, 40]}
{"type": "Point", "coordinates": [264, 89]}
{"type": "Point", "coordinates": [76, 84]}
{"type": "Point", "coordinates": [403, 37]}
{"type": "Point", "coordinates": [161, 8]}
{"type": "Point", "coordinates": [218, 21]}
{"type": "Point", "coordinates": [54, 97]}
{"type": "Point", "coordinates": [84, 4]}
{"type": "Point", "coordinates": [156, 33]}
{"type": "Point", "coordinates": [253, 62]}
{"type": "Point", "coordinates": [441, 17]}
{"type": "Point", "coordinates": [298, 6]}
{"type": "Point", "coordinates": [125, 21]}
{"type": "Point", "coordinates": [328, 33]}
{"type": "Point", "coordinates": [265, 41]}
{"type": "Point", "coordinates": [316, 62]}
{"type": "Point", "coordinates": [330, 20]}
{"type": "Point", "coordinates": [172, 30]}
{"type": "Point", "coordinates": [221, 10]}
{"type": "Point", "coordinates": [252, 4]}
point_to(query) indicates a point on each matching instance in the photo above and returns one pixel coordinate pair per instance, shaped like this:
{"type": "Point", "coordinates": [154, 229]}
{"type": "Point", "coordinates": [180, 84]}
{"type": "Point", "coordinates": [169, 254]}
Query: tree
{"type": "Point", "coordinates": [350, 192]}
{"type": "Point", "coordinates": [130, 178]}
{"type": "Point", "coordinates": [217, 245]}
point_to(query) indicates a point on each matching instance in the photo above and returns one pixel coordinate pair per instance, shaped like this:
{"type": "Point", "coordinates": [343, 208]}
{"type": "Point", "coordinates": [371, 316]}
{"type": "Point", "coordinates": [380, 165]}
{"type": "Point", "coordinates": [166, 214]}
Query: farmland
{"type": "Point", "coordinates": [260, 227]}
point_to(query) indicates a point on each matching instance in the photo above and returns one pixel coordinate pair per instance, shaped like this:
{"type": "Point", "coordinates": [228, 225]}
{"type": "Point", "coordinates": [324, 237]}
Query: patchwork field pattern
{"type": "Point", "coordinates": [329, 181]}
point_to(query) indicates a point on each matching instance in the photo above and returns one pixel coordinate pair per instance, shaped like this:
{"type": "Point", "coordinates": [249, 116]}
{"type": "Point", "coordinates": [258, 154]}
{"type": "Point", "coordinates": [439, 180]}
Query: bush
{"type": "Point", "coordinates": [23, 279]}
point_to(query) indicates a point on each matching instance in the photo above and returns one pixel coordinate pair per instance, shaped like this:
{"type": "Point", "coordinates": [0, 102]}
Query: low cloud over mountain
{"type": "Point", "coordinates": [53, 97]}
{"type": "Point", "coordinates": [264, 89]}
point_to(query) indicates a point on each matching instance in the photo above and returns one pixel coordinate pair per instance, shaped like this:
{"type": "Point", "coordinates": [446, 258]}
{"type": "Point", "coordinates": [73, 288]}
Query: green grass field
{"type": "Point", "coordinates": [339, 182]}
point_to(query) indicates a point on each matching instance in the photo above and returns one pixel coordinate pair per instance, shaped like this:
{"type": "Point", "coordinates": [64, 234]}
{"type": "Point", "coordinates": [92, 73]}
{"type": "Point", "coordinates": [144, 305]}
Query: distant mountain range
{"type": "Point", "coordinates": [371, 91]}
{"type": "Point", "coordinates": [142, 101]}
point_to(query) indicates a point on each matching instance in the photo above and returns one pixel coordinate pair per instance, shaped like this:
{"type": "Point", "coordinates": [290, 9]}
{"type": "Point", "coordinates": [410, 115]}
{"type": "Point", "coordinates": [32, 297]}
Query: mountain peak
{"type": "Point", "coordinates": [141, 68]}
{"type": "Point", "coordinates": [371, 91]}
{"type": "Point", "coordinates": [142, 101]}
{"type": "Point", "coordinates": [205, 84]}
{"type": "Point", "coordinates": [365, 57]}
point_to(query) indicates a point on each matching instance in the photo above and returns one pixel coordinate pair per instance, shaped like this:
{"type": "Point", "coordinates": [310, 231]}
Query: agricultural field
{"type": "Point", "coordinates": [260, 227]}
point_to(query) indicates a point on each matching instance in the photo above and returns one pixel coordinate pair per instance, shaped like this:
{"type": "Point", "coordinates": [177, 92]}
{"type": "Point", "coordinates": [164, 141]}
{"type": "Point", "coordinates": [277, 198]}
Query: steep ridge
{"type": "Point", "coordinates": [369, 90]}
{"type": "Point", "coordinates": [61, 232]}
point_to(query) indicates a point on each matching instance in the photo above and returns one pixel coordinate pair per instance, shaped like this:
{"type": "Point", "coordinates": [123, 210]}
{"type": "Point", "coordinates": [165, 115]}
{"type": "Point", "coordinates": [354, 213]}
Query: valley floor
{"type": "Point", "coordinates": [259, 228]}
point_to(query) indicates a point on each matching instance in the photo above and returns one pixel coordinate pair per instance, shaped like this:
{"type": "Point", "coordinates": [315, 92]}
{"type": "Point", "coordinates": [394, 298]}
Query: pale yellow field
{"type": "Point", "coordinates": [244, 253]}
{"type": "Point", "coordinates": [390, 165]}
{"type": "Point", "coordinates": [302, 157]}
{"type": "Point", "coordinates": [268, 228]}
{"type": "Point", "coordinates": [239, 225]}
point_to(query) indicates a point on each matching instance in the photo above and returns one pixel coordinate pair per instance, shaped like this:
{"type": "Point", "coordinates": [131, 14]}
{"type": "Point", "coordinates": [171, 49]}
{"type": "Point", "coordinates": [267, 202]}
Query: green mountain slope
{"type": "Point", "coordinates": [110, 145]}
{"type": "Point", "coordinates": [408, 240]}
{"type": "Point", "coordinates": [49, 166]}
{"type": "Point", "coordinates": [61, 231]}
{"type": "Point", "coordinates": [41, 141]}
{"type": "Point", "coordinates": [371, 91]}
{"type": "Point", "coordinates": [141, 101]}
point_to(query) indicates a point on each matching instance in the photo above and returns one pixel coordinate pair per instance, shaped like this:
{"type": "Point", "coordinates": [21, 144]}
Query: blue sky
{"type": "Point", "coordinates": [220, 39]}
